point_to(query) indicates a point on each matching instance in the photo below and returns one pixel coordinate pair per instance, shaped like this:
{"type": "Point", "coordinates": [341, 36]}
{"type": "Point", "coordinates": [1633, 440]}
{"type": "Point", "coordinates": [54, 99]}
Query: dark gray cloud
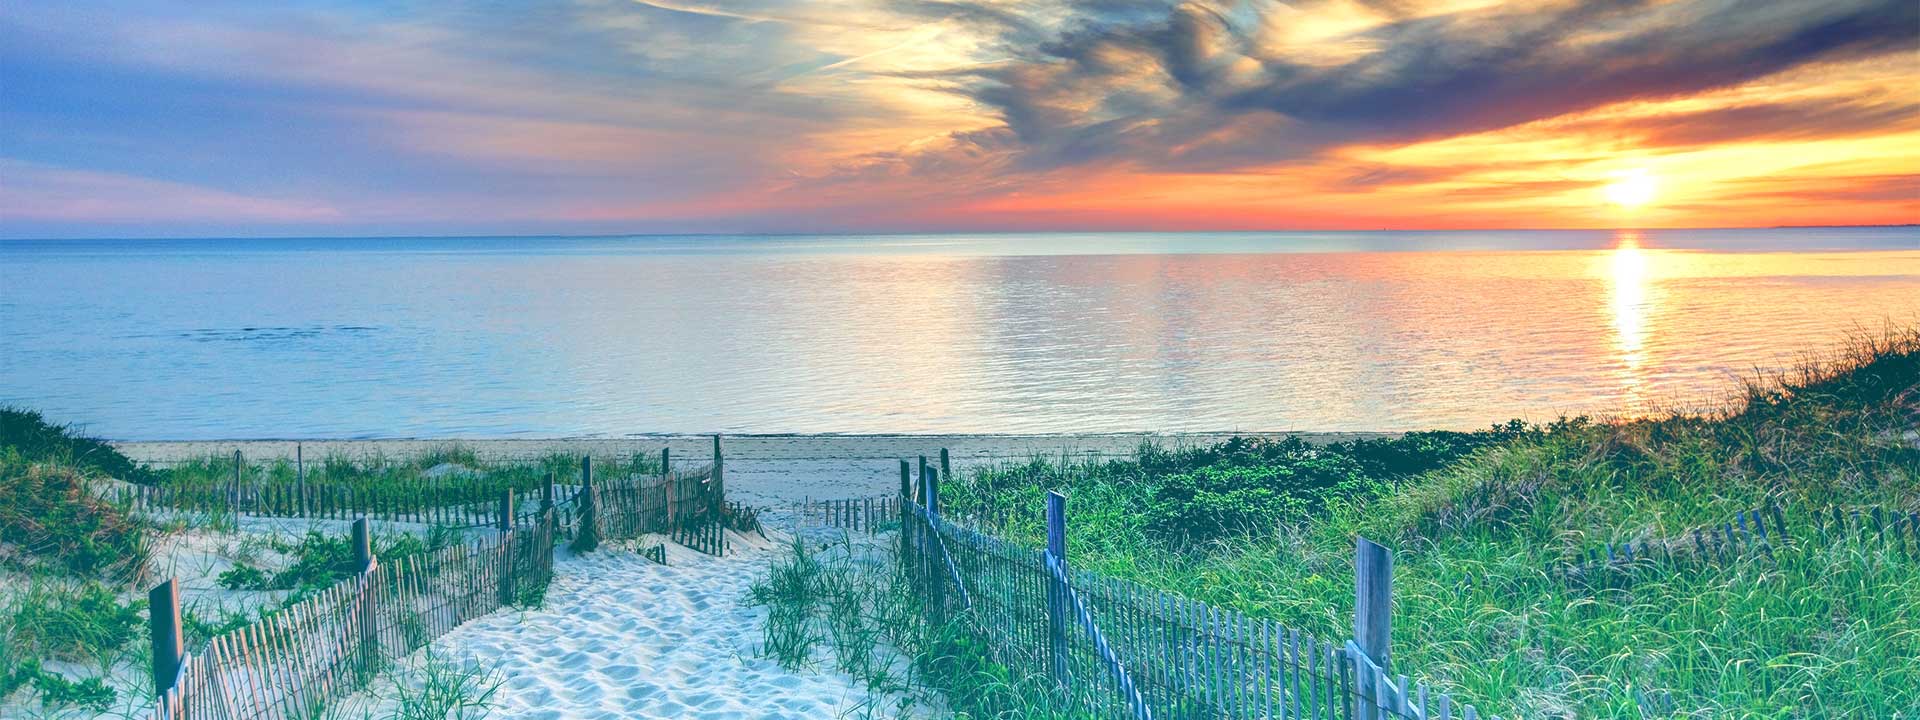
{"type": "Point", "coordinates": [1188, 86]}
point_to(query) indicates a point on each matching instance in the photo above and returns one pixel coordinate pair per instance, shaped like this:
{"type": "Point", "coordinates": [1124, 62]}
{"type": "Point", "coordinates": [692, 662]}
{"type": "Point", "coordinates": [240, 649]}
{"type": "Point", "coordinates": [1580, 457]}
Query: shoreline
{"type": "Point", "coordinates": [759, 468]}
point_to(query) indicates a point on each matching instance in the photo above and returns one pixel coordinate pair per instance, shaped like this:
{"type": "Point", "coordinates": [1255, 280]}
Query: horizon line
{"type": "Point", "coordinates": [477, 236]}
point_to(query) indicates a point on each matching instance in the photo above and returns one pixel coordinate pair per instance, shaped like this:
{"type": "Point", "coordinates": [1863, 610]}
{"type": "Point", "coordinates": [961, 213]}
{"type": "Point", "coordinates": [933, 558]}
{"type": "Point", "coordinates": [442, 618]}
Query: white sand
{"type": "Point", "coordinates": [622, 637]}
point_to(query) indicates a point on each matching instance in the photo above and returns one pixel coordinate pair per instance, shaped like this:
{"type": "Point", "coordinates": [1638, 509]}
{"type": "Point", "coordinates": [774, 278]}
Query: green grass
{"type": "Point", "coordinates": [380, 483]}
{"type": "Point", "coordinates": [52, 521]}
{"type": "Point", "coordinates": [1485, 527]}
{"type": "Point", "coordinates": [433, 688]}
{"type": "Point", "coordinates": [844, 605]}
{"type": "Point", "coordinates": [37, 441]}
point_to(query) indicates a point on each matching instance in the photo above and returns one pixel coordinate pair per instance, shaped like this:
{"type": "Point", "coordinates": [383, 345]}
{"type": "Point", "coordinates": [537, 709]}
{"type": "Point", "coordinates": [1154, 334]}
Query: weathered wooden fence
{"type": "Point", "coordinates": [450, 497]}
{"type": "Point", "coordinates": [295, 662]}
{"type": "Point", "coordinates": [1117, 649]}
{"type": "Point", "coordinates": [868, 515]}
{"type": "Point", "coordinates": [299, 660]}
{"type": "Point", "coordinates": [688, 506]}
{"type": "Point", "coordinates": [1754, 533]}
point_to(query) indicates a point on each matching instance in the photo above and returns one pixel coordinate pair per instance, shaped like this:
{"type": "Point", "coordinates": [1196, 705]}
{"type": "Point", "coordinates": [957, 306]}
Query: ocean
{"type": "Point", "coordinates": [978, 333]}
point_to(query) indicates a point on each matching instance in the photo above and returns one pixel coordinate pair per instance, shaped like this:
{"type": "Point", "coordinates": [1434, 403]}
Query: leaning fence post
{"type": "Point", "coordinates": [1372, 619]}
{"type": "Point", "coordinates": [163, 622]}
{"type": "Point", "coordinates": [506, 541]}
{"type": "Point", "coordinates": [369, 627]}
{"type": "Point", "coordinates": [1056, 591]}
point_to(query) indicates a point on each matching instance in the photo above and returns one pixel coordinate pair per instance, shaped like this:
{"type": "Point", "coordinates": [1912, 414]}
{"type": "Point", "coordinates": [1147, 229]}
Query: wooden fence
{"type": "Point", "coordinates": [688, 506]}
{"type": "Point", "coordinates": [868, 515]}
{"type": "Point", "coordinates": [295, 662]}
{"type": "Point", "coordinates": [1117, 649]}
{"type": "Point", "coordinates": [1753, 533]}
{"type": "Point", "coordinates": [299, 660]}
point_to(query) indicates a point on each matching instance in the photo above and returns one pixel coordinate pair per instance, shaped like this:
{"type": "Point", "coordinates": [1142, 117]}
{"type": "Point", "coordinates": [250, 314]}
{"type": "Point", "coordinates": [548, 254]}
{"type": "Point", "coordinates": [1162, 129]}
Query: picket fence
{"type": "Point", "coordinates": [296, 661]}
{"type": "Point", "coordinates": [1118, 649]}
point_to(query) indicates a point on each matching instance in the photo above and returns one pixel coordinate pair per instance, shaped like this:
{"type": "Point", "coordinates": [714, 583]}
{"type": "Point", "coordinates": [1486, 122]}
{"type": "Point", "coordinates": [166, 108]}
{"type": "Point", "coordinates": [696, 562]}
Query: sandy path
{"type": "Point", "coordinates": [622, 637]}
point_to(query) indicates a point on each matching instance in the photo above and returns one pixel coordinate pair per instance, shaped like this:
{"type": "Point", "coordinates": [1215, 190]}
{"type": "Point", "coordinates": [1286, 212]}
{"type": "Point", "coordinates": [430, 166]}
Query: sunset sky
{"type": "Point", "coordinates": [606, 116]}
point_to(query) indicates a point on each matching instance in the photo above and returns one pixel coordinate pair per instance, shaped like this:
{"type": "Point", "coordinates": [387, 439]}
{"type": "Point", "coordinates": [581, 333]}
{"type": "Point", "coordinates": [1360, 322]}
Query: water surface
{"type": "Point", "coordinates": [384, 337]}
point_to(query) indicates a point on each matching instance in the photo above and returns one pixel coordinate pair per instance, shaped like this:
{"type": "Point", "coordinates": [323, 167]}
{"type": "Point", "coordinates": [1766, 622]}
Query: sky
{"type": "Point", "coordinates": [313, 118]}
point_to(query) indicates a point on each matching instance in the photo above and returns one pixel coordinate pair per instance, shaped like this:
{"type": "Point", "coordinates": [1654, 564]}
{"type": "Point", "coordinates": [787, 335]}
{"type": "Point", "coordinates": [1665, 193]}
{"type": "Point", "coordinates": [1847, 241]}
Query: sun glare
{"type": "Point", "coordinates": [1631, 189]}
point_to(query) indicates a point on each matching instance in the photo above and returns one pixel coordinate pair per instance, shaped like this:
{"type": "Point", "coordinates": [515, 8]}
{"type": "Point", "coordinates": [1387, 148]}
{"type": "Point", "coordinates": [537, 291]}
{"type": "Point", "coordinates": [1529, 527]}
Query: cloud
{"type": "Point", "coordinates": [33, 192]}
{"type": "Point", "coordinates": [1194, 86]}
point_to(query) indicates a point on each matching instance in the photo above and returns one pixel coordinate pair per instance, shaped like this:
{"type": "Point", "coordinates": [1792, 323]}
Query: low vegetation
{"type": "Point", "coordinates": [1492, 528]}
{"type": "Point", "coordinates": [844, 605]}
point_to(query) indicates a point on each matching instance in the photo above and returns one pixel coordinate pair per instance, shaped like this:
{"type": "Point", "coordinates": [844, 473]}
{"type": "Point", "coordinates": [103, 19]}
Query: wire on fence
{"type": "Point", "coordinates": [1121, 650]}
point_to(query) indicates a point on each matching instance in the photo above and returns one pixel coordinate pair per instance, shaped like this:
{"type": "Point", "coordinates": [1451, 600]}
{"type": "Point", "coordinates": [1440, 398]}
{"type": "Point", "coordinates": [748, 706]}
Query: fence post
{"type": "Point", "coordinates": [1056, 592]}
{"type": "Point", "coordinates": [163, 622]}
{"type": "Point", "coordinates": [369, 626]}
{"type": "Point", "coordinates": [546, 494]}
{"type": "Point", "coordinates": [906, 496]}
{"type": "Point", "coordinates": [506, 542]}
{"type": "Point", "coordinates": [936, 562]}
{"type": "Point", "coordinates": [1372, 619]}
{"type": "Point", "coordinates": [946, 470]}
{"type": "Point", "coordinates": [719, 478]}
{"type": "Point", "coordinates": [235, 495]}
{"type": "Point", "coordinates": [589, 537]}
{"type": "Point", "coordinates": [300, 478]}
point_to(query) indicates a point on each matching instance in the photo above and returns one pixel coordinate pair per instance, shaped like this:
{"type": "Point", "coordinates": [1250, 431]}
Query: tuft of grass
{"type": "Point", "coordinates": [432, 687]}
{"type": "Point", "coordinates": [850, 604]}
{"type": "Point", "coordinates": [320, 560]}
{"type": "Point", "coordinates": [1823, 626]}
{"type": "Point", "coordinates": [83, 623]}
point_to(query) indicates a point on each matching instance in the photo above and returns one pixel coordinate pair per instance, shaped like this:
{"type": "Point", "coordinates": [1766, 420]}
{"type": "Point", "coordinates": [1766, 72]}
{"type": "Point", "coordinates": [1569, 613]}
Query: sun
{"type": "Point", "coordinates": [1631, 189]}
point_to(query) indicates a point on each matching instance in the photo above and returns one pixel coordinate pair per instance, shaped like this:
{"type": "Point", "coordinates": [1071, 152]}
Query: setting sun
{"type": "Point", "coordinates": [1632, 189]}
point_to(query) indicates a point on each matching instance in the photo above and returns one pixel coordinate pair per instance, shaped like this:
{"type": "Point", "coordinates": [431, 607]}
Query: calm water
{"type": "Point", "coordinates": [202, 339]}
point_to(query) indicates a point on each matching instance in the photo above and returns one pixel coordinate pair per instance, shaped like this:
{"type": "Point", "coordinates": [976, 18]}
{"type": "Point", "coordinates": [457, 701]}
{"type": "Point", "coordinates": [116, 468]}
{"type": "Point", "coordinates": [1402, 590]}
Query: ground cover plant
{"type": "Point", "coordinates": [1492, 529]}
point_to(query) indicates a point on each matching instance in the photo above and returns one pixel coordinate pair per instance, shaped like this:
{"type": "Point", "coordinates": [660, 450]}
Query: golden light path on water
{"type": "Point", "coordinates": [1627, 273]}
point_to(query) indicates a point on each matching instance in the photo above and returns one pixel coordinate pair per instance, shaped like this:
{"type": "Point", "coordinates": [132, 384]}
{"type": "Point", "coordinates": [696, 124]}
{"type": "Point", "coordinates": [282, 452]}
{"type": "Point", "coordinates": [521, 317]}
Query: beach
{"type": "Point", "coordinates": [760, 469]}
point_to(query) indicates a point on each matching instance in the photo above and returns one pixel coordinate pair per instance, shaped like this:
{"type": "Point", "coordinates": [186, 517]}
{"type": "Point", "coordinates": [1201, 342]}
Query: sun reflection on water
{"type": "Point", "coordinates": [1628, 276]}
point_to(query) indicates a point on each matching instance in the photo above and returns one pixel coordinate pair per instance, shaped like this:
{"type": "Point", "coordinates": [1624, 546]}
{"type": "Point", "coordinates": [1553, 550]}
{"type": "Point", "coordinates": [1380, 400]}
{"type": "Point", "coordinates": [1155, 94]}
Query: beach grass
{"type": "Point", "coordinates": [1494, 597]}
{"type": "Point", "coordinates": [845, 605]}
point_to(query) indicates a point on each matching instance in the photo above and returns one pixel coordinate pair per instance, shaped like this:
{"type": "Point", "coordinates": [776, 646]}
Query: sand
{"type": "Point", "coordinates": [764, 469]}
{"type": "Point", "coordinates": [622, 637]}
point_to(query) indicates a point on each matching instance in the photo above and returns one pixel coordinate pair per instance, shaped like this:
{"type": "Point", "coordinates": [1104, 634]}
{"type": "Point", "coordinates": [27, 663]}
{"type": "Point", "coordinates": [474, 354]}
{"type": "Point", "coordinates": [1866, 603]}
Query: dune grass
{"type": "Point", "coordinates": [846, 605]}
{"type": "Point", "coordinates": [448, 475]}
{"type": "Point", "coordinates": [1823, 626]}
